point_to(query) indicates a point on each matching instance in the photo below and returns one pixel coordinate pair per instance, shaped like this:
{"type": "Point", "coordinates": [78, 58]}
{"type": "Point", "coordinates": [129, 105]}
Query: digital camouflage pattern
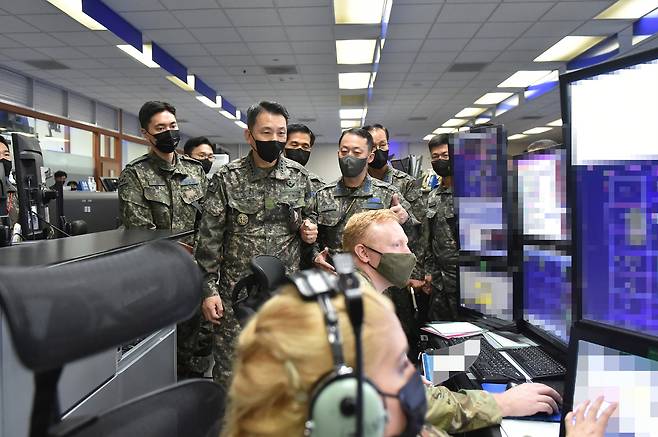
{"type": "Point", "coordinates": [12, 205]}
{"type": "Point", "coordinates": [307, 250]}
{"type": "Point", "coordinates": [406, 184]}
{"type": "Point", "coordinates": [441, 253]}
{"type": "Point", "coordinates": [155, 194]}
{"type": "Point", "coordinates": [316, 182]}
{"type": "Point", "coordinates": [456, 412]}
{"type": "Point", "coordinates": [248, 211]}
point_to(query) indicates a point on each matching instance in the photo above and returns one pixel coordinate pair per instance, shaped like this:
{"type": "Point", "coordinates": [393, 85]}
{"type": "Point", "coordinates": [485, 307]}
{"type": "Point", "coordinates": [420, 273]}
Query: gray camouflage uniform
{"type": "Point", "coordinates": [248, 211]}
{"type": "Point", "coordinates": [155, 194]}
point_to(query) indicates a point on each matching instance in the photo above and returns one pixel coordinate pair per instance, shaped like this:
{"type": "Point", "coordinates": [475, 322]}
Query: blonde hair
{"type": "Point", "coordinates": [282, 353]}
{"type": "Point", "coordinates": [357, 229]}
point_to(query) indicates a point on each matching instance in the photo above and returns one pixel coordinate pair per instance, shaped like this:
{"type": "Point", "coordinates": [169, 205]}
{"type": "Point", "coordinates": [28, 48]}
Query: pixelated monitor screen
{"type": "Point", "coordinates": [547, 290]}
{"type": "Point", "coordinates": [478, 182]}
{"type": "Point", "coordinates": [630, 380]}
{"type": "Point", "coordinates": [541, 185]}
{"type": "Point", "coordinates": [616, 196]}
{"type": "Point", "coordinates": [488, 292]}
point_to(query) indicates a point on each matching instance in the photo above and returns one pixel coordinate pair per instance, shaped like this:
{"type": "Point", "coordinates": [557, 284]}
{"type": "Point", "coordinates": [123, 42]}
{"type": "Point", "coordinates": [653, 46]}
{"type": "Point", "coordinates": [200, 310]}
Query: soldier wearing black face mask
{"type": "Point", "coordinates": [440, 242]}
{"type": "Point", "coordinates": [165, 190]}
{"type": "Point", "coordinates": [298, 148]}
{"type": "Point", "coordinates": [201, 149]}
{"type": "Point", "coordinates": [12, 193]}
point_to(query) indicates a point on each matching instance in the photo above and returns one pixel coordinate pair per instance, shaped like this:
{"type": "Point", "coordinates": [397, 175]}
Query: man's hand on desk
{"type": "Point", "coordinates": [528, 399]}
{"type": "Point", "coordinates": [212, 309]}
{"type": "Point", "coordinates": [585, 422]}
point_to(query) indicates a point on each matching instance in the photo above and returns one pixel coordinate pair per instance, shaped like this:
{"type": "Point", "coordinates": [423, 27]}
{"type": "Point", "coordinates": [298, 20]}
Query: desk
{"type": "Point", "coordinates": [527, 428]}
{"type": "Point", "coordinates": [95, 383]}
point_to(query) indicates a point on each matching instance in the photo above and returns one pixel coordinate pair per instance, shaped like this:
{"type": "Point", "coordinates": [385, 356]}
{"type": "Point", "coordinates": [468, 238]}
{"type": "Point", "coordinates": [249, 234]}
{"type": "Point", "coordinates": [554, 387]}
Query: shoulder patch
{"type": "Point", "coordinates": [144, 157]}
{"type": "Point", "coordinates": [379, 183]}
{"type": "Point", "coordinates": [237, 163]}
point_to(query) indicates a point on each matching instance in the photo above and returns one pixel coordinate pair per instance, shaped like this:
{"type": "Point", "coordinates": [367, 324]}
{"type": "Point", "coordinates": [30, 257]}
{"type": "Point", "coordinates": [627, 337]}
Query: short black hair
{"type": "Point", "coordinates": [149, 109]}
{"type": "Point", "coordinates": [360, 132]}
{"type": "Point", "coordinates": [297, 127]}
{"type": "Point", "coordinates": [372, 127]}
{"type": "Point", "coordinates": [195, 142]}
{"type": "Point", "coordinates": [438, 140]}
{"type": "Point", "coordinates": [60, 173]}
{"type": "Point", "coordinates": [271, 107]}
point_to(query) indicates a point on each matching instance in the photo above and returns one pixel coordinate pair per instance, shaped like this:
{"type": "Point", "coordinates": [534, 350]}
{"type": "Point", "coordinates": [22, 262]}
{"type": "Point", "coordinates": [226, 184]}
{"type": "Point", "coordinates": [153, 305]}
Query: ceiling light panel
{"type": "Point", "coordinates": [568, 48]}
{"type": "Point", "coordinates": [628, 10]}
{"type": "Point", "coordinates": [353, 81]}
{"type": "Point", "coordinates": [524, 78]}
{"type": "Point", "coordinates": [355, 51]}
{"type": "Point", "coordinates": [358, 11]}
{"type": "Point", "coordinates": [492, 98]}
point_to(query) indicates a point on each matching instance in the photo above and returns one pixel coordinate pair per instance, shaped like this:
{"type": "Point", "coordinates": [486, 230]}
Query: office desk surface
{"type": "Point", "coordinates": [527, 428]}
{"type": "Point", "coordinates": [51, 252]}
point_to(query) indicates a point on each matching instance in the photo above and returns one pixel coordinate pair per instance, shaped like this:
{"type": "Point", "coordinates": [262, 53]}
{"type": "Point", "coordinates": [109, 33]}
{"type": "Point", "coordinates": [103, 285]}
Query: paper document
{"type": "Point", "coordinates": [454, 329]}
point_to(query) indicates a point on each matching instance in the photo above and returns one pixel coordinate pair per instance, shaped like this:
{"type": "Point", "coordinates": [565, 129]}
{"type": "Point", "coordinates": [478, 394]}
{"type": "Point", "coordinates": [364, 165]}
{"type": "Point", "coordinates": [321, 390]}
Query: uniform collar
{"type": "Point", "coordinates": [280, 170]}
{"type": "Point", "coordinates": [163, 165]}
{"type": "Point", "coordinates": [388, 176]}
{"type": "Point", "coordinates": [364, 190]}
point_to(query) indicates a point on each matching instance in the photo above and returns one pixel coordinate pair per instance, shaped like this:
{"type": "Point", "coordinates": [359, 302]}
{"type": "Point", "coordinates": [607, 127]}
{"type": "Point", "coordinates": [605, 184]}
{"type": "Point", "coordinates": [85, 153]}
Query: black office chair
{"type": "Point", "coordinates": [268, 274]}
{"type": "Point", "coordinates": [60, 314]}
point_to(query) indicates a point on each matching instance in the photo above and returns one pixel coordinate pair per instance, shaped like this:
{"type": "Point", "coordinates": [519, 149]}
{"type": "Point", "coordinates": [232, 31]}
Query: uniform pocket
{"type": "Point", "coordinates": [157, 193]}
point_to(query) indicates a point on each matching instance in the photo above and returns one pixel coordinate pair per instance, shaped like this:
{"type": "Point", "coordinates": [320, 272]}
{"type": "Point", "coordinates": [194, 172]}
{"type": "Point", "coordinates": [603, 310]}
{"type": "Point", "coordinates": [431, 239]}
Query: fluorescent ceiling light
{"type": "Point", "coordinates": [241, 124]}
{"type": "Point", "coordinates": [358, 12]}
{"type": "Point", "coordinates": [639, 38]}
{"type": "Point", "coordinates": [443, 130]}
{"type": "Point", "coordinates": [568, 48]}
{"type": "Point", "coordinates": [355, 51]}
{"type": "Point", "coordinates": [482, 120]}
{"type": "Point", "coordinates": [428, 137]}
{"type": "Point", "coordinates": [628, 10]}
{"type": "Point", "coordinates": [464, 129]}
{"type": "Point", "coordinates": [353, 81]}
{"type": "Point", "coordinates": [492, 98]}
{"type": "Point", "coordinates": [145, 56]}
{"type": "Point", "coordinates": [227, 114]}
{"type": "Point", "coordinates": [537, 130]}
{"type": "Point", "coordinates": [187, 86]}
{"type": "Point", "coordinates": [516, 137]}
{"type": "Point", "coordinates": [524, 78]}
{"type": "Point", "coordinates": [470, 112]}
{"type": "Point", "coordinates": [346, 124]}
{"type": "Point", "coordinates": [73, 8]}
{"type": "Point", "coordinates": [351, 113]}
{"type": "Point", "coordinates": [556, 123]}
{"type": "Point", "coordinates": [209, 103]}
{"type": "Point", "coordinates": [454, 122]}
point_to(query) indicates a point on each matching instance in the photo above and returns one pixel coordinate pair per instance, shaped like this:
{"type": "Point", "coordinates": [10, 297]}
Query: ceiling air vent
{"type": "Point", "coordinates": [417, 118]}
{"type": "Point", "coordinates": [47, 64]}
{"type": "Point", "coordinates": [280, 69]}
{"type": "Point", "coordinates": [531, 117]}
{"type": "Point", "coordinates": [467, 67]}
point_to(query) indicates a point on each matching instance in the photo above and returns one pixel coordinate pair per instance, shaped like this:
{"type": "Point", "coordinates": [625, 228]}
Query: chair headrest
{"type": "Point", "coordinates": [62, 313]}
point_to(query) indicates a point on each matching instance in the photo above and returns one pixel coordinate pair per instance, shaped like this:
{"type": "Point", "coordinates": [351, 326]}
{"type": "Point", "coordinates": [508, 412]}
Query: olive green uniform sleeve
{"type": "Point", "coordinates": [210, 239]}
{"type": "Point", "coordinates": [461, 411]}
{"type": "Point", "coordinates": [134, 209]}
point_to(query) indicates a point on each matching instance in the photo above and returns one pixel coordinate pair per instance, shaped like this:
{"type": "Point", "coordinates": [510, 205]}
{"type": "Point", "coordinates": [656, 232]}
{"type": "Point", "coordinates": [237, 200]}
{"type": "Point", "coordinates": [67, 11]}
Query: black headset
{"type": "Point", "coordinates": [343, 399]}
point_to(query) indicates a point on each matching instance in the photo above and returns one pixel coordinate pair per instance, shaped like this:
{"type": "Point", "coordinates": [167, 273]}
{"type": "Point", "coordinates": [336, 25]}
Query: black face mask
{"type": "Point", "coordinates": [7, 165]}
{"type": "Point", "coordinates": [206, 164]}
{"type": "Point", "coordinates": [442, 167]}
{"type": "Point", "coordinates": [299, 155]}
{"type": "Point", "coordinates": [166, 141]}
{"type": "Point", "coordinates": [350, 166]}
{"type": "Point", "coordinates": [268, 150]}
{"type": "Point", "coordinates": [414, 405]}
{"type": "Point", "coordinates": [381, 158]}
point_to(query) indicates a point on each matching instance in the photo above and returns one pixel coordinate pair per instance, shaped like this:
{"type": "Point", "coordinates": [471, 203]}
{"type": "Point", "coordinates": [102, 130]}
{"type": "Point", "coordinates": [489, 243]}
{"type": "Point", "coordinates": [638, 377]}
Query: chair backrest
{"type": "Point", "coordinates": [268, 274]}
{"type": "Point", "coordinates": [192, 408]}
{"type": "Point", "coordinates": [59, 314]}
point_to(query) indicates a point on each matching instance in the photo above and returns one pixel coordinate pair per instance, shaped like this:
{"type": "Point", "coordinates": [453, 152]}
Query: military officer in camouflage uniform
{"type": "Point", "coordinates": [298, 148]}
{"type": "Point", "coordinates": [254, 207]}
{"type": "Point", "coordinates": [440, 238]}
{"type": "Point", "coordinates": [165, 190]}
{"type": "Point", "coordinates": [12, 195]}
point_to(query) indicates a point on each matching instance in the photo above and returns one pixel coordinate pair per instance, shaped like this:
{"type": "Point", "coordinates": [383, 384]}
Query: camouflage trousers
{"type": "Point", "coordinates": [444, 300]}
{"type": "Point", "coordinates": [194, 347]}
{"type": "Point", "coordinates": [224, 341]}
{"type": "Point", "coordinates": [404, 309]}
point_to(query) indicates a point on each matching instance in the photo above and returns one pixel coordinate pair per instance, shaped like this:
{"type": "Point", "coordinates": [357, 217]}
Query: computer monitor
{"type": "Point", "coordinates": [99, 210]}
{"type": "Point", "coordinates": [609, 113]}
{"type": "Point", "coordinates": [479, 159]}
{"type": "Point", "coordinates": [620, 366]}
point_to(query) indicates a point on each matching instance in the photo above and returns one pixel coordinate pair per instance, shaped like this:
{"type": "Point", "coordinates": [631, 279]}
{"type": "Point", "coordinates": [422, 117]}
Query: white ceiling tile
{"type": "Point", "coordinates": [391, 76]}
{"type": "Point", "coordinates": [22, 54]}
{"type": "Point", "coordinates": [402, 45]}
{"type": "Point", "coordinates": [465, 12]}
{"type": "Point", "coordinates": [314, 16]}
{"type": "Point", "coordinates": [429, 57]}
{"type": "Point", "coordinates": [10, 43]}
{"type": "Point", "coordinates": [246, 3]}
{"type": "Point", "coordinates": [322, 59]}
{"type": "Point", "coordinates": [197, 61]}
{"type": "Point", "coordinates": [53, 22]}
{"type": "Point", "coordinates": [221, 34]}
{"type": "Point", "coordinates": [313, 47]}
{"type": "Point", "coordinates": [189, 4]}
{"type": "Point", "coordinates": [528, 11]}
{"type": "Point", "coordinates": [166, 36]}
{"type": "Point", "coordinates": [416, 14]}
{"type": "Point", "coordinates": [310, 33]}
{"type": "Point", "coordinates": [185, 50]}
{"type": "Point", "coordinates": [431, 75]}
{"type": "Point", "coordinates": [235, 48]}
{"type": "Point", "coordinates": [454, 30]}
{"type": "Point", "coordinates": [277, 59]}
{"type": "Point", "coordinates": [444, 44]}
{"type": "Point", "coordinates": [578, 10]}
{"type": "Point", "coordinates": [9, 24]}
{"type": "Point", "coordinates": [193, 19]}
{"type": "Point", "coordinates": [552, 28]}
{"type": "Point", "coordinates": [503, 30]}
{"type": "Point", "coordinates": [602, 27]}
{"type": "Point", "coordinates": [254, 34]}
{"type": "Point", "coordinates": [539, 44]}
{"type": "Point", "coordinates": [82, 38]}
{"type": "Point", "coordinates": [28, 7]}
{"type": "Point", "coordinates": [399, 58]}
{"type": "Point", "coordinates": [265, 48]}
{"type": "Point", "coordinates": [134, 5]}
{"type": "Point", "coordinates": [518, 56]}
{"type": "Point", "coordinates": [63, 53]}
{"type": "Point", "coordinates": [488, 44]}
{"type": "Point", "coordinates": [394, 68]}
{"type": "Point", "coordinates": [36, 39]}
{"type": "Point", "coordinates": [408, 31]}
{"type": "Point", "coordinates": [241, 61]}
{"type": "Point", "coordinates": [253, 17]}
{"type": "Point", "coordinates": [153, 20]}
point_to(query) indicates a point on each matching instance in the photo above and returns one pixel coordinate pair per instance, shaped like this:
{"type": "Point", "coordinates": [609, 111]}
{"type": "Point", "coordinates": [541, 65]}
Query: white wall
{"type": "Point", "coordinates": [324, 162]}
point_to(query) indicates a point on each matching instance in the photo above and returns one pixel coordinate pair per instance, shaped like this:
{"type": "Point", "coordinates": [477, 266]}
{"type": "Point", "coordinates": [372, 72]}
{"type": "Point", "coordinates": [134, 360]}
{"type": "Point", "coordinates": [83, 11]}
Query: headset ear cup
{"type": "Point", "coordinates": [333, 412]}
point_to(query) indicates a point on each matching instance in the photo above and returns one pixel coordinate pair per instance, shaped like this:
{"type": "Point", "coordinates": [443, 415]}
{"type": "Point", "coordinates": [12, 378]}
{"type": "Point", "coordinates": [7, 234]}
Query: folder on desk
{"type": "Point", "coordinates": [441, 364]}
{"type": "Point", "coordinates": [453, 329]}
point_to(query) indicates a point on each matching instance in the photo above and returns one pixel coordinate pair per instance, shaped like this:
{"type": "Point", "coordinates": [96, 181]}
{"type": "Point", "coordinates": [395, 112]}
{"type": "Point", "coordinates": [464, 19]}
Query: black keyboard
{"type": "Point", "coordinates": [491, 366]}
{"type": "Point", "coordinates": [536, 362]}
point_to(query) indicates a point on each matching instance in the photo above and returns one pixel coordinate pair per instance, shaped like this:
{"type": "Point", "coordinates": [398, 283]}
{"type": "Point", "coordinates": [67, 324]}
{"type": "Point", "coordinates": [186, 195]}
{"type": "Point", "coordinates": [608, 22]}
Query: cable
{"type": "Point", "coordinates": [49, 224]}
